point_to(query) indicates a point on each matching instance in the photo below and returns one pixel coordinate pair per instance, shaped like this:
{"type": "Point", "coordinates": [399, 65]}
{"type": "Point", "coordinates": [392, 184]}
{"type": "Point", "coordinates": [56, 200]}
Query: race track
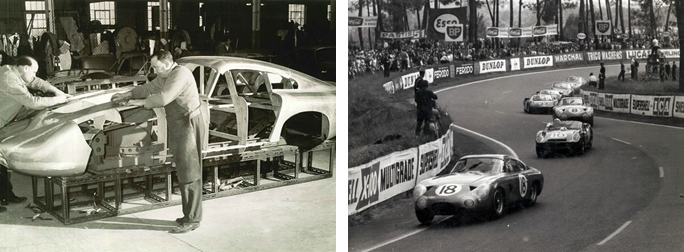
{"type": "Point", "coordinates": [625, 194]}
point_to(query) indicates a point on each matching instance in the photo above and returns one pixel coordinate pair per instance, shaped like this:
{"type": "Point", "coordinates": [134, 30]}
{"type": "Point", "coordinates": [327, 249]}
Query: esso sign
{"type": "Point", "coordinates": [443, 21]}
{"type": "Point", "coordinates": [581, 35]}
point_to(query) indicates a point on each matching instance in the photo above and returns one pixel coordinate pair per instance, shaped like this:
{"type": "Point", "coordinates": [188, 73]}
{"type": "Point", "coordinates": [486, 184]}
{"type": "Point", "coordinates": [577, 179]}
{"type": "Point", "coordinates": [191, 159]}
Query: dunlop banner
{"type": "Point", "coordinates": [408, 80]}
{"type": "Point", "coordinates": [537, 61]}
{"type": "Point", "coordinates": [492, 66]}
{"type": "Point", "coordinates": [441, 18]}
{"type": "Point", "coordinates": [678, 107]}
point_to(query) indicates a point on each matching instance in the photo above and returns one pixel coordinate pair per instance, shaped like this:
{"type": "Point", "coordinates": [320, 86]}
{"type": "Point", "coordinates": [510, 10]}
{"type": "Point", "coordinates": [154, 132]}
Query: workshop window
{"type": "Point", "coordinates": [103, 12]}
{"type": "Point", "coordinates": [35, 18]}
{"type": "Point", "coordinates": [329, 13]}
{"type": "Point", "coordinates": [297, 13]}
{"type": "Point", "coordinates": [150, 15]}
{"type": "Point", "coordinates": [200, 14]}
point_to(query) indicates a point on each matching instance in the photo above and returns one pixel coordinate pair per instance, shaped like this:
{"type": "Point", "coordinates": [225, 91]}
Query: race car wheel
{"type": "Point", "coordinates": [527, 109]}
{"type": "Point", "coordinates": [525, 106]}
{"type": "Point", "coordinates": [540, 152]}
{"type": "Point", "coordinates": [591, 122]}
{"type": "Point", "coordinates": [424, 216]}
{"type": "Point", "coordinates": [533, 196]}
{"type": "Point", "coordinates": [581, 148]}
{"type": "Point", "coordinates": [497, 209]}
{"type": "Point", "coordinates": [591, 139]}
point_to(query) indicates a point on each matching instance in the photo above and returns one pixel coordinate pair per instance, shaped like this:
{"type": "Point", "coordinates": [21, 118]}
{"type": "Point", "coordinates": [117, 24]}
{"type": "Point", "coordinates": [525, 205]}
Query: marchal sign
{"type": "Point", "coordinates": [581, 35]}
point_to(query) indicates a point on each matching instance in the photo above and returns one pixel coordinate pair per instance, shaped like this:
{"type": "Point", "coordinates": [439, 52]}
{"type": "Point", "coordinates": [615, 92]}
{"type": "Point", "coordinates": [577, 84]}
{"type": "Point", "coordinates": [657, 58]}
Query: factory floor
{"type": "Point", "coordinates": [299, 217]}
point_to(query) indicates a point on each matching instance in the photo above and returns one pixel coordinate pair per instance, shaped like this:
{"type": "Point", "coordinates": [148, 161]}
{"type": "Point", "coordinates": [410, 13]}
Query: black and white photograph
{"type": "Point", "coordinates": [515, 125]}
{"type": "Point", "coordinates": [169, 125]}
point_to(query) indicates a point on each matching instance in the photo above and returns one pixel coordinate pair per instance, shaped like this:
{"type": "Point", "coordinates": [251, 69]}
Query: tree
{"type": "Point", "coordinates": [571, 30]}
{"type": "Point", "coordinates": [679, 12]}
{"type": "Point", "coordinates": [581, 24]}
{"type": "Point", "coordinates": [360, 29]}
{"type": "Point", "coordinates": [593, 22]}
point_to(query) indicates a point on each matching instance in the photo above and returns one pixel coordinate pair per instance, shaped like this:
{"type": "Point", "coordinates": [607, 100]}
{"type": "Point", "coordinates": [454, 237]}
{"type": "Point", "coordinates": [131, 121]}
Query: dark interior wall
{"type": "Point", "coordinates": [11, 17]}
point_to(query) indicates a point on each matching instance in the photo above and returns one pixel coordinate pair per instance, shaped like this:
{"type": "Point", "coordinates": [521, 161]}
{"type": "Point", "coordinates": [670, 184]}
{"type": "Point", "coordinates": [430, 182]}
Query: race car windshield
{"type": "Point", "coordinates": [548, 92]}
{"type": "Point", "coordinates": [560, 85]}
{"type": "Point", "coordinates": [571, 125]}
{"type": "Point", "coordinates": [571, 102]}
{"type": "Point", "coordinates": [541, 98]}
{"type": "Point", "coordinates": [573, 79]}
{"type": "Point", "coordinates": [477, 165]}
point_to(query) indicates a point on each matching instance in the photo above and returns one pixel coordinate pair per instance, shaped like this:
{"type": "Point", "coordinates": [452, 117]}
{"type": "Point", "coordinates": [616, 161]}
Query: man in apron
{"type": "Point", "coordinates": [175, 89]}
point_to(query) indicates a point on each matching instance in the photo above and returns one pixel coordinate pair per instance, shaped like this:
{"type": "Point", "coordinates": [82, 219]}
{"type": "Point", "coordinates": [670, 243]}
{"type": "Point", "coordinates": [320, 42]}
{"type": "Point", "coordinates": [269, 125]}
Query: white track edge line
{"type": "Point", "coordinates": [614, 233]}
{"type": "Point", "coordinates": [662, 172]}
{"type": "Point", "coordinates": [624, 142]}
{"type": "Point", "coordinates": [402, 237]}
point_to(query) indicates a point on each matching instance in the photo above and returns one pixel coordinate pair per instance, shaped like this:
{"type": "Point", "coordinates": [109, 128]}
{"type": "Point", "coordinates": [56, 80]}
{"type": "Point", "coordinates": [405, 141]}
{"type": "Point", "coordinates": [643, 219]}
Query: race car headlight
{"type": "Point", "coordinates": [540, 138]}
{"type": "Point", "coordinates": [421, 202]}
{"type": "Point", "coordinates": [575, 137]}
{"type": "Point", "coordinates": [481, 191]}
{"type": "Point", "coordinates": [590, 111]}
{"type": "Point", "coordinates": [419, 191]}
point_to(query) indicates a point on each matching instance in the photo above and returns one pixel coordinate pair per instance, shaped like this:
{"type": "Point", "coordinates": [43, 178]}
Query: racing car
{"type": "Point", "coordinates": [576, 81]}
{"type": "Point", "coordinates": [572, 136]}
{"type": "Point", "coordinates": [539, 102]}
{"type": "Point", "coordinates": [574, 108]}
{"type": "Point", "coordinates": [552, 92]}
{"type": "Point", "coordinates": [478, 183]}
{"type": "Point", "coordinates": [565, 88]}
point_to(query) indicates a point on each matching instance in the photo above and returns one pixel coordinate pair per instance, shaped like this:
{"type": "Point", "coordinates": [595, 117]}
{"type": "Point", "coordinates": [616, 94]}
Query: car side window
{"type": "Point", "coordinates": [522, 166]}
{"type": "Point", "coordinates": [512, 166]}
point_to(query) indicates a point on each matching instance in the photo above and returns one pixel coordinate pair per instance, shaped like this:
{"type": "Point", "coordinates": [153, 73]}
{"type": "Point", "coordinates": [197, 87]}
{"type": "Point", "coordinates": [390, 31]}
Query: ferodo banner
{"type": "Point", "coordinates": [417, 34]}
{"type": "Point", "coordinates": [603, 27]}
{"type": "Point", "coordinates": [442, 72]}
{"type": "Point", "coordinates": [381, 179]}
{"type": "Point", "coordinates": [678, 110]}
{"type": "Point", "coordinates": [466, 68]}
{"type": "Point", "coordinates": [537, 61]}
{"type": "Point", "coordinates": [568, 57]}
{"type": "Point", "coordinates": [362, 22]}
{"type": "Point", "coordinates": [441, 18]}
{"type": "Point", "coordinates": [492, 66]}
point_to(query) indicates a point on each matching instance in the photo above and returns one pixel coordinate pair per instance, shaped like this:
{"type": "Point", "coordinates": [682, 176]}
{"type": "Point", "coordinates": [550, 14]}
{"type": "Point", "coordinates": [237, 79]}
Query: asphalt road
{"type": "Point", "coordinates": [625, 194]}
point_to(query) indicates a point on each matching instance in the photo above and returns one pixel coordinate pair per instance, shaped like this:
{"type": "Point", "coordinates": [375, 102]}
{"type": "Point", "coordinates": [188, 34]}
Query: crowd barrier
{"type": "Point", "coordinates": [387, 176]}
{"type": "Point", "coordinates": [520, 63]}
{"type": "Point", "coordinates": [646, 105]}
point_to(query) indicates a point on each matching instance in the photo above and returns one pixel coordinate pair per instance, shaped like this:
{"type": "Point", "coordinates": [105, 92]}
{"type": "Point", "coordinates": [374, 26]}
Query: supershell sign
{"type": "Point", "coordinates": [444, 22]}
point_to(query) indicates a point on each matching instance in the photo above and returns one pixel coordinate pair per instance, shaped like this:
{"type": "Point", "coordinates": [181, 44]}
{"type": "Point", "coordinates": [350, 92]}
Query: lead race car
{"type": "Point", "coordinates": [572, 136]}
{"type": "Point", "coordinates": [478, 183]}
{"type": "Point", "coordinates": [574, 108]}
{"type": "Point", "coordinates": [252, 104]}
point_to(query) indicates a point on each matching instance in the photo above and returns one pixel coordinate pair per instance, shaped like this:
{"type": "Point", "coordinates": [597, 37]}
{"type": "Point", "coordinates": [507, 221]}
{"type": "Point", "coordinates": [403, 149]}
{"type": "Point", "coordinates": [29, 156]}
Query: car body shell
{"type": "Point", "coordinates": [555, 93]}
{"type": "Point", "coordinates": [317, 61]}
{"type": "Point", "coordinates": [90, 132]}
{"type": "Point", "coordinates": [565, 88]}
{"type": "Point", "coordinates": [571, 136]}
{"type": "Point", "coordinates": [473, 191]}
{"type": "Point", "coordinates": [539, 102]}
{"type": "Point", "coordinates": [574, 108]}
{"type": "Point", "coordinates": [577, 81]}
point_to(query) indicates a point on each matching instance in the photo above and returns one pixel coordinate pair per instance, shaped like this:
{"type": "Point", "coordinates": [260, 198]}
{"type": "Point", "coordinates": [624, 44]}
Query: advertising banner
{"type": "Point", "coordinates": [515, 32]}
{"type": "Point", "coordinates": [454, 33]}
{"type": "Point", "coordinates": [537, 61]}
{"type": "Point", "coordinates": [614, 102]}
{"type": "Point", "coordinates": [515, 64]}
{"type": "Point", "coordinates": [417, 34]}
{"type": "Point", "coordinates": [545, 30]}
{"type": "Point", "coordinates": [428, 160]}
{"type": "Point", "coordinates": [407, 81]}
{"type": "Point", "coordinates": [381, 179]}
{"type": "Point", "coordinates": [670, 53]}
{"type": "Point", "coordinates": [638, 54]}
{"type": "Point", "coordinates": [660, 106]}
{"type": "Point", "coordinates": [447, 149]}
{"type": "Point", "coordinates": [442, 72]}
{"type": "Point", "coordinates": [568, 57]}
{"type": "Point", "coordinates": [429, 75]}
{"type": "Point", "coordinates": [467, 68]}
{"type": "Point", "coordinates": [611, 55]}
{"type": "Point", "coordinates": [603, 27]}
{"type": "Point", "coordinates": [492, 66]}
{"type": "Point", "coordinates": [678, 107]}
{"type": "Point", "coordinates": [389, 87]}
{"type": "Point", "coordinates": [497, 32]}
{"type": "Point", "coordinates": [362, 22]}
{"type": "Point", "coordinates": [593, 56]}
{"type": "Point", "coordinates": [441, 18]}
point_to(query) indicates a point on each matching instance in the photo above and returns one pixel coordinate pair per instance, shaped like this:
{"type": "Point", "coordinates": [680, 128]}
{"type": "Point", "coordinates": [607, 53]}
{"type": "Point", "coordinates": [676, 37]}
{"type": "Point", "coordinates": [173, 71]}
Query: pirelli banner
{"type": "Point", "coordinates": [385, 177]}
{"type": "Point", "coordinates": [648, 105]}
{"type": "Point", "coordinates": [492, 66]}
{"type": "Point", "coordinates": [537, 61]}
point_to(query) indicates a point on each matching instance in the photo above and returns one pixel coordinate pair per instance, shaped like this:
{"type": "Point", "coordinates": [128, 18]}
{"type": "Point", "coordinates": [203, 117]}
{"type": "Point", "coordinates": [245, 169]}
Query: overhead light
{"type": "Point", "coordinates": [249, 4]}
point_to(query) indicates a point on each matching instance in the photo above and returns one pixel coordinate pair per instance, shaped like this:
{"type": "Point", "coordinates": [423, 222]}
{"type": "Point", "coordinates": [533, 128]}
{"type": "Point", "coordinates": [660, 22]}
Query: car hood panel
{"type": "Point", "coordinates": [461, 179]}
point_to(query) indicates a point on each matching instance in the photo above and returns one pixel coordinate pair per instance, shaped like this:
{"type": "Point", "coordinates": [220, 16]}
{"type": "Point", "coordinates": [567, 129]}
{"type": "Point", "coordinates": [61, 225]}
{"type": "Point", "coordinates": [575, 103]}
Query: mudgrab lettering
{"type": "Point", "coordinates": [397, 173]}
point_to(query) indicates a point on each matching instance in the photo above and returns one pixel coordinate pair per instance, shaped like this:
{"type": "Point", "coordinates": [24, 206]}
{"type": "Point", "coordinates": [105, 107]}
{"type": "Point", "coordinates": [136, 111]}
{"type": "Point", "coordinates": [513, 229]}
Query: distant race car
{"type": "Point", "coordinates": [574, 108]}
{"type": "Point", "coordinates": [576, 81]}
{"type": "Point", "coordinates": [539, 102]}
{"type": "Point", "coordinates": [552, 92]}
{"type": "Point", "coordinates": [572, 136]}
{"type": "Point", "coordinates": [478, 183]}
{"type": "Point", "coordinates": [565, 88]}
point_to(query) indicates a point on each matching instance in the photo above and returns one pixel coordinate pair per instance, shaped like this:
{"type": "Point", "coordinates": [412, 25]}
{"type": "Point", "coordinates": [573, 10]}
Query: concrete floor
{"type": "Point", "coordinates": [298, 217]}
